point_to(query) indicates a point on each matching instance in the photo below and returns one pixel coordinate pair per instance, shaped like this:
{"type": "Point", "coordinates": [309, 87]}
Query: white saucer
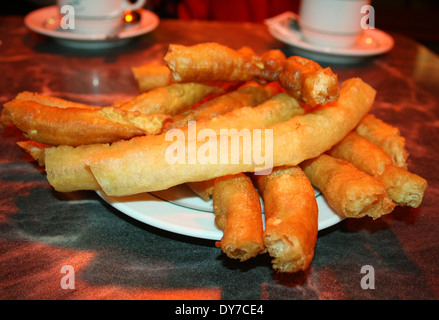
{"type": "Point", "coordinates": [46, 21]}
{"type": "Point", "coordinates": [371, 43]}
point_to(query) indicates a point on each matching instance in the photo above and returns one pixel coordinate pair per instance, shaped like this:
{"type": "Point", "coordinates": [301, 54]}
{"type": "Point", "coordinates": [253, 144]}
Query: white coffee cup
{"type": "Point", "coordinates": [95, 16]}
{"type": "Point", "coordinates": [332, 23]}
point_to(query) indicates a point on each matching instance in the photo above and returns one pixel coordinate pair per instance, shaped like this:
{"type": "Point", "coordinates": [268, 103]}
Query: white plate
{"type": "Point", "coordinates": [179, 210]}
{"type": "Point", "coordinates": [46, 21]}
{"type": "Point", "coordinates": [372, 41]}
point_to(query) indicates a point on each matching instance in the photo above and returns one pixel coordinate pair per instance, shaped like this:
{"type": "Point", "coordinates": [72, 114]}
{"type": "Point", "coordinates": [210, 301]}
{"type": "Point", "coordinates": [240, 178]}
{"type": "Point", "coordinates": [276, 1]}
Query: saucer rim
{"type": "Point", "coordinates": [35, 22]}
{"type": "Point", "coordinates": [354, 51]}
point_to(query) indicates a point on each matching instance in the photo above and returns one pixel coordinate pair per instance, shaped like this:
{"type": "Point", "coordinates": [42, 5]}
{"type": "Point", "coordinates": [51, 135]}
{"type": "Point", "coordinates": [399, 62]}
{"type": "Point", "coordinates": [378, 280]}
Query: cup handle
{"type": "Point", "coordinates": [133, 6]}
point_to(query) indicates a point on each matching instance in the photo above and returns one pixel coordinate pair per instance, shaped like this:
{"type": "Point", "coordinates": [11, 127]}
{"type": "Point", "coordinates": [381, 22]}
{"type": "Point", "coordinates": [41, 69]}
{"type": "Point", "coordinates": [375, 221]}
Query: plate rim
{"type": "Point", "coordinates": [126, 207]}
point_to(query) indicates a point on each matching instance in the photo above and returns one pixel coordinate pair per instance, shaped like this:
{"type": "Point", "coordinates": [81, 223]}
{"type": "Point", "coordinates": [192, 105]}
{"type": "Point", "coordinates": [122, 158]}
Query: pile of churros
{"type": "Point", "coordinates": [320, 134]}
